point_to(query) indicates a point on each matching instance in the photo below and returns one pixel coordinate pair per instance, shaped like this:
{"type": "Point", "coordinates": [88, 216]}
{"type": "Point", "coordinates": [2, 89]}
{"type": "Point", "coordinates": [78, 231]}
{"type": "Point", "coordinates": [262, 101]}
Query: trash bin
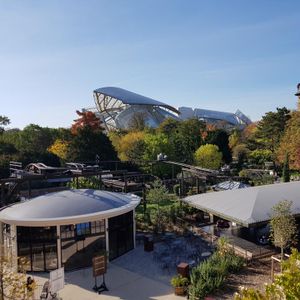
{"type": "Point", "coordinates": [183, 269]}
{"type": "Point", "coordinates": [148, 243]}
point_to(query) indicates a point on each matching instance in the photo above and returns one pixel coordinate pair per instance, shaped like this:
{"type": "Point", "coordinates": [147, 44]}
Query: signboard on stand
{"type": "Point", "coordinates": [99, 265]}
{"type": "Point", "coordinates": [99, 268]}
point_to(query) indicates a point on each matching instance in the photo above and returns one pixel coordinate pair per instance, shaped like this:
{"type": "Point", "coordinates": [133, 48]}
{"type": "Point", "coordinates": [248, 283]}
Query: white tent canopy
{"type": "Point", "coordinates": [247, 206]}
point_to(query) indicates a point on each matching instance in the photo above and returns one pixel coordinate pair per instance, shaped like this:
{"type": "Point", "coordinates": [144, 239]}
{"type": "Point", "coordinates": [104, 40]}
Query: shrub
{"type": "Point", "coordinates": [210, 274]}
{"type": "Point", "coordinates": [179, 280]}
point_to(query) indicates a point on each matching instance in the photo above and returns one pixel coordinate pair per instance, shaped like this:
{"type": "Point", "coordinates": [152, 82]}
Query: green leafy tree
{"type": "Point", "coordinates": [155, 144]}
{"type": "Point", "coordinates": [159, 196]}
{"type": "Point", "coordinates": [169, 127]}
{"type": "Point", "coordinates": [283, 226]}
{"type": "Point", "coordinates": [240, 153]}
{"type": "Point", "coordinates": [208, 156]}
{"type": "Point", "coordinates": [36, 139]}
{"type": "Point", "coordinates": [271, 128]}
{"type": "Point", "coordinates": [87, 143]}
{"type": "Point", "coordinates": [3, 122]}
{"type": "Point", "coordinates": [234, 139]}
{"type": "Point", "coordinates": [220, 138]}
{"type": "Point", "coordinates": [184, 137]}
{"type": "Point", "coordinates": [131, 146]}
{"type": "Point", "coordinates": [260, 156]}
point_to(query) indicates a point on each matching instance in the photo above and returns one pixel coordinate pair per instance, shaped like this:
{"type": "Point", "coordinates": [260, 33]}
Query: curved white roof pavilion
{"type": "Point", "coordinates": [52, 230]}
{"type": "Point", "coordinates": [69, 207]}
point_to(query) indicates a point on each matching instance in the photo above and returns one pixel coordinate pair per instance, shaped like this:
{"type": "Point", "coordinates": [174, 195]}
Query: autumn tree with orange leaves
{"type": "Point", "coordinates": [290, 142]}
{"type": "Point", "coordinates": [86, 118]}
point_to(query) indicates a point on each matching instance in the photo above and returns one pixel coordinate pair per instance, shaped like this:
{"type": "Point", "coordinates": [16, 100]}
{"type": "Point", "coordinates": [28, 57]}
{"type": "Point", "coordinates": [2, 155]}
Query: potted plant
{"type": "Point", "coordinates": [180, 284]}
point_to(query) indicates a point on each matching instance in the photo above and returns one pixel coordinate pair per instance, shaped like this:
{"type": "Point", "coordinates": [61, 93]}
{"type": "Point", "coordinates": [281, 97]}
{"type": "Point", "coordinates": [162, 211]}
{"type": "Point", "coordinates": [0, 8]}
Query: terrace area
{"type": "Point", "coordinates": [138, 274]}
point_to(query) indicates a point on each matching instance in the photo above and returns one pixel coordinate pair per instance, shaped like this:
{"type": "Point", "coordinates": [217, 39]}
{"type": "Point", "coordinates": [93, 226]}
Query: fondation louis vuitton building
{"type": "Point", "coordinates": [118, 108]}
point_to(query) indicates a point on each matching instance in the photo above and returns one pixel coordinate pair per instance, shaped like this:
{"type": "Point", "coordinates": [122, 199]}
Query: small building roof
{"type": "Point", "coordinates": [131, 98]}
{"type": "Point", "coordinates": [229, 185]}
{"type": "Point", "coordinates": [247, 206]}
{"type": "Point", "coordinates": [69, 207]}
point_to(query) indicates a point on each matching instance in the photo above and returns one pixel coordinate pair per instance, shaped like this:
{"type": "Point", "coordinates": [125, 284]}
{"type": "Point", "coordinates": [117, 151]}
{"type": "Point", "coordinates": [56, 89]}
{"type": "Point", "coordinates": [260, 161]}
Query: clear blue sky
{"type": "Point", "coordinates": [215, 54]}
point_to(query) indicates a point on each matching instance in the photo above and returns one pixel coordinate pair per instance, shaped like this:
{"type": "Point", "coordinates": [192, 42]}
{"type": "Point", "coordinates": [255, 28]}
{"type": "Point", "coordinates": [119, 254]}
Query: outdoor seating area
{"type": "Point", "coordinates": [173, 250]}
{"type": "Point", "coordinates": [170, 249]}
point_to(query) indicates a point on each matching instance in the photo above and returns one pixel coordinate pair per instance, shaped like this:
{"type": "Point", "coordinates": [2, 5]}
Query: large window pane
{"type": "Point", "coordinates": [51, 256]}
{"type": "Point", "coordinates": [120, 234]}
{"type": "Point", "coordinates": [38, 257]}
{"type": "Point", "coordinates": [81, 242]}
{"type": "Point", "coordinates": [39, 246]}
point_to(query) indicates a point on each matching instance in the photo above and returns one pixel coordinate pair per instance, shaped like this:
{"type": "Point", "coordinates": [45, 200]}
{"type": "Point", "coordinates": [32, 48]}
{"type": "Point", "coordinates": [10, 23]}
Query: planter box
{"type": "Point", "coordinates": [180, 290]}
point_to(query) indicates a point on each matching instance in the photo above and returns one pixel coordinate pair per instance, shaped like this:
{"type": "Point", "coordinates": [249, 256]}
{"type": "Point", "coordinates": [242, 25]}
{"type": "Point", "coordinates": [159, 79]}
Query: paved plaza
{"type": "Point", "coordinates": [137, 275]}
{"type": "Point", "coordinates": [121, 282]}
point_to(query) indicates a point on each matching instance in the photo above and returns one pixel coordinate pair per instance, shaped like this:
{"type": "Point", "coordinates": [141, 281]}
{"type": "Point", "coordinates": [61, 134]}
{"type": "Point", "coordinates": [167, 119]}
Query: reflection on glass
{"type": "Point", "coordinates": [25, 254]}
{"type": "Point", "coordinates": [120, 234]}
{"type": "Point", "coordinates": [83, 229]}
{"type": "Point", "coordinates": [81, 242]}
{"type": "Point", "coordinates": [38, 257]}
{"type": "Point", "coordinates": [38, 246]}
{"type": "Point", "coordinates": [51, 257]}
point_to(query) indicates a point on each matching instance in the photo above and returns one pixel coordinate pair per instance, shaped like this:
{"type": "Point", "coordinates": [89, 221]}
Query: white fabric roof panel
{"type": "Point", "coordinates": [132, 98]}
{"type": "Point", "coordinates": [75, 205]}
{"type": "Point", "coordinates": [250, 205]}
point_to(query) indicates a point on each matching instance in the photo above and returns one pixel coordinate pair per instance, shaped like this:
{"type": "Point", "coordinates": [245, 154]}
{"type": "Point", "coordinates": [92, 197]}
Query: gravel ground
{"type": "Point", "coordinates": [255, 275]}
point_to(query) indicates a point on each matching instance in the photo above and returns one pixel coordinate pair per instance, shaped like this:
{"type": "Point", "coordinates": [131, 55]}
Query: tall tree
{"type": "Point", "coordinates": [131, 146]}
{"type": "Point", "coordinates": [86, 118]}
{"type": "Point", "coordinates": [3, 122]}
{"type": "Point", "coordinates": [283, 226]}
{"type": "Point", "coordinates": [87, 143]}
{"type": "Point", "coordinates": [184, 137]}
{"type": "Point", "coordinates": [290, 142]}
{"type": "Point", "coordinates": [220, 138]}
{"type": "Point", "coordinates": [271, 128]}
{"type": "Point", "coordinates": [36, 139]}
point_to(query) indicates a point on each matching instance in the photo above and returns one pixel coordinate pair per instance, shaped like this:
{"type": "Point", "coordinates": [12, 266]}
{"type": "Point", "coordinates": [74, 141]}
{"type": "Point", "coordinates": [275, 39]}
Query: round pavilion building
{"type": "Point", "coordinates": [68, 228]}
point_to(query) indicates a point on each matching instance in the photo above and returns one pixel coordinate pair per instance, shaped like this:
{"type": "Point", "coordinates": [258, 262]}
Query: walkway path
{"type": "Point", "coordinates": [122, 282]}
